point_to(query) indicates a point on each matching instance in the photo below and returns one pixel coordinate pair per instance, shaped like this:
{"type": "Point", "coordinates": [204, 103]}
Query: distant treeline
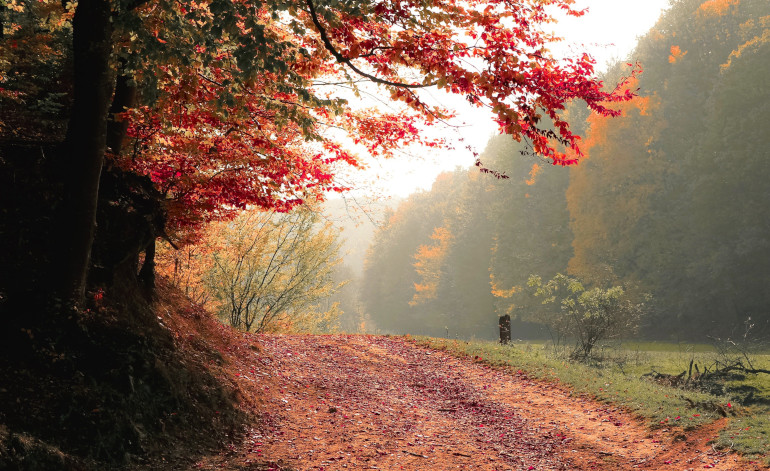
{"type": "Point", "coordinates": [672, 199]}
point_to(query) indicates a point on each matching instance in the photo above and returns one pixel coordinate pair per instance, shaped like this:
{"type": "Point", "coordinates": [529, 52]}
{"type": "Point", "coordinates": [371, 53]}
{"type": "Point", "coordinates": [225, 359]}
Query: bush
{"type": "Point", "coordinates": [588, 316]}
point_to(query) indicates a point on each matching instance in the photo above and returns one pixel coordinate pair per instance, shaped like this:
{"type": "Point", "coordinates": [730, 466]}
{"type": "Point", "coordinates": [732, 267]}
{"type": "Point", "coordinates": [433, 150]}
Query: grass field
{"type": "Point", "coordinates": [617, 378]}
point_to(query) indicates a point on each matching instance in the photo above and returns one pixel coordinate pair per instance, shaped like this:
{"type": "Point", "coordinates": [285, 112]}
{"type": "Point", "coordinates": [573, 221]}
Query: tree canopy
{"type": "Point", "coordinates": [672, 196]}
{"type": "Point", "coordinates": [226, 104]}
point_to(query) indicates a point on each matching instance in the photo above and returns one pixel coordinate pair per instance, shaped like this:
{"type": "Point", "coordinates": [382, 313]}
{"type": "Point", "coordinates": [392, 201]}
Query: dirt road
{"type": "Point", "coordinates": [358, 402]}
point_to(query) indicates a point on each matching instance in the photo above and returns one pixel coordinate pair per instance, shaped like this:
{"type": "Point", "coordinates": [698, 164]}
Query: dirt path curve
{"type": "Point", "coordinates": [359, 402]}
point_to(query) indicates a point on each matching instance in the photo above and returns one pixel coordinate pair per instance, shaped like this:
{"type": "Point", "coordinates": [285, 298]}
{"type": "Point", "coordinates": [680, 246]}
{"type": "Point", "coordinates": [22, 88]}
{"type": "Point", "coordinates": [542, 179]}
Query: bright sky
{"type": "Point", "coordinates": [608, 32]}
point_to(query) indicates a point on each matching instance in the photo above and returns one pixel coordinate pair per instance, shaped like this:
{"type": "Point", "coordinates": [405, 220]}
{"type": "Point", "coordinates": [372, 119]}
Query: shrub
{"type": "Point", "coordinates": [587, 316]}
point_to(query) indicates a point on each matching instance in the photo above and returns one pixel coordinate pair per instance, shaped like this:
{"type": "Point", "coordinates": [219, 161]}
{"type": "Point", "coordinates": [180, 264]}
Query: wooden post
{"type": "Point", "coordinates": [505, 329]}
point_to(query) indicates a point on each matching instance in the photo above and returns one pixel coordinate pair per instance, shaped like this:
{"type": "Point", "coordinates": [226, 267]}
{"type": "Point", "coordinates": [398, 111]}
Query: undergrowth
{"type": "Point", "coordinates": [617, 379]}
{"type": "Point", "coordinates": [131, 385]}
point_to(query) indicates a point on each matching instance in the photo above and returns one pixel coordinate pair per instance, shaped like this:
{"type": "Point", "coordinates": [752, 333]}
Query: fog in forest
{"type": "Point", "coordinates": [670, 204]}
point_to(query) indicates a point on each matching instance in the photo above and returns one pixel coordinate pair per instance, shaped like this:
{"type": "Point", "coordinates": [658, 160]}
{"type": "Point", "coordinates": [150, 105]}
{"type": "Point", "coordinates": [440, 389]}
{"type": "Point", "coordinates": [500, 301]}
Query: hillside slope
{"type": "Point", "coordinates": [124, 386]}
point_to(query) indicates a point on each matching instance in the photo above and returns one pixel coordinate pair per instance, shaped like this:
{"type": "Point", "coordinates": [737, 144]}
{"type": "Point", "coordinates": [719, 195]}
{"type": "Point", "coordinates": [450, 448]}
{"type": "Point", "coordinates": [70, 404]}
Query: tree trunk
{"type": "Point", "coordinates": [125, 98]}
{"type": "Point", "coordinates": [2, 21]}
{"type": "Point", "coordinates": [147, 273]}
{"type": "Point", "coordinates": [85, 143]}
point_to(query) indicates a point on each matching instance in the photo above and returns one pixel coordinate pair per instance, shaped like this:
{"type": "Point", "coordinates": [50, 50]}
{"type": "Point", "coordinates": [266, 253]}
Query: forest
{"type": "Point", "coordinates": [670, 201]}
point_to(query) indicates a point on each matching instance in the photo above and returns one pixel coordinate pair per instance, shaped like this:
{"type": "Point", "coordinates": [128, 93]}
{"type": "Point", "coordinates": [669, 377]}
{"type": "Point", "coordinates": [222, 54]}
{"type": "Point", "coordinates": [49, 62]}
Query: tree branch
{"type": "Point", "coordinates": [343, 60]}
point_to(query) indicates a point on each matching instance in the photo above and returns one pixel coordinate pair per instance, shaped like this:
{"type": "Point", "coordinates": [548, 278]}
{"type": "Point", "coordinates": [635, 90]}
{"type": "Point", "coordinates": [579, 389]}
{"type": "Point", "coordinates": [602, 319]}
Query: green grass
{"type": "Point", "coordinates": [617, 380]}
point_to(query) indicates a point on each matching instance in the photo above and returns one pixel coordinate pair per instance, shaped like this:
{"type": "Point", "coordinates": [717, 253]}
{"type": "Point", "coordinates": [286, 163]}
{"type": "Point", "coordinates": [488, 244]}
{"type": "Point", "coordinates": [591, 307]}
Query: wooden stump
{"type": "Point", "coordinates": [505, 329]}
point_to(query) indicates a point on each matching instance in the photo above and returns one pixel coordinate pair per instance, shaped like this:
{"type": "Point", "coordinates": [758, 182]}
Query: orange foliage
{"type": "Point", "coordinates": [499, 292]}
{"type": "Point", "coordinates": [620, 151]}
{"type": "Point", "coordinates": [185, 268]}
{"type": "Point", "coordinates": [712, 8]}
{"type": "Point", "coordinates": [753, 43]}
{"type": "Point", "coordinates": [533, 174]}
{"type": "Point", "coordinates": [676, 54]}
{"type": "Point", "coordinates": [428, 265]}
{"type": "Point", "coordinates": [599, 125]}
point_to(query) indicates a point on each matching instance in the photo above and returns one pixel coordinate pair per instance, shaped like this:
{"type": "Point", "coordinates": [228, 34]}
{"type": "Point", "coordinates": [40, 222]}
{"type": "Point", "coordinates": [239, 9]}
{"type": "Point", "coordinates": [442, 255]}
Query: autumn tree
{"type": "Point", "coordinates": [428, 264]}
{"type": "Point", "coordinates": [269, 268]}
{"type": "Point", "coordinates": [221, 105]}
{"type": "Point", "coordinates": [388, 284]}
{"type": "Point", "coordinates": [670, 195]}
{"type": "Point", "coordinates": [185, 267]}
{"type": "Point", "coordinates": [613, 191]}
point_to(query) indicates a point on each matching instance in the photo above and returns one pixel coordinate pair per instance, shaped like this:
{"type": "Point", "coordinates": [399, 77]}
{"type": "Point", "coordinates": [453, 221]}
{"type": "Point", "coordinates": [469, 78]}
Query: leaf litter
{"type": "Point", "coordinates": [352, 402]}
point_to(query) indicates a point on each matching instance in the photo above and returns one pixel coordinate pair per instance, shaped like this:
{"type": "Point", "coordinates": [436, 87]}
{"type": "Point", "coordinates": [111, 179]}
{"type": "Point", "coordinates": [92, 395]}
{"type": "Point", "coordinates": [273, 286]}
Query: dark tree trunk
{"type": "Point", "coordinates": [85, 143]}
{"type": "Point", "coordinates": [147, 273]}
{"type": "Point", "coordinates": [2, 21]}
{"type": "Point", "coordinates": [125, 98]}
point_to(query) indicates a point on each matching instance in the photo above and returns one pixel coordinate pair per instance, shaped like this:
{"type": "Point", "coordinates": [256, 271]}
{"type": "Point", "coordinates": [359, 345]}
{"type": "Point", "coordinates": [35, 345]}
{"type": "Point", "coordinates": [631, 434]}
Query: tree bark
{"type": "Point", "coordinates": [85, 143]}
{"type": "Point", "coordinates": [124, 98]}
{"type": "Point", "coordinates": [147, 272]}
{"type": "Point", "coordinates": [2, 21]}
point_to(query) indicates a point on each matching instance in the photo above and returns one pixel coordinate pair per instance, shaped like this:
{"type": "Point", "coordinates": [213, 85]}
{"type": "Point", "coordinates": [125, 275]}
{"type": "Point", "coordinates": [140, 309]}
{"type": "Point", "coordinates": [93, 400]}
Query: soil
{"type": "Point", "coordinates": [364, 402]}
